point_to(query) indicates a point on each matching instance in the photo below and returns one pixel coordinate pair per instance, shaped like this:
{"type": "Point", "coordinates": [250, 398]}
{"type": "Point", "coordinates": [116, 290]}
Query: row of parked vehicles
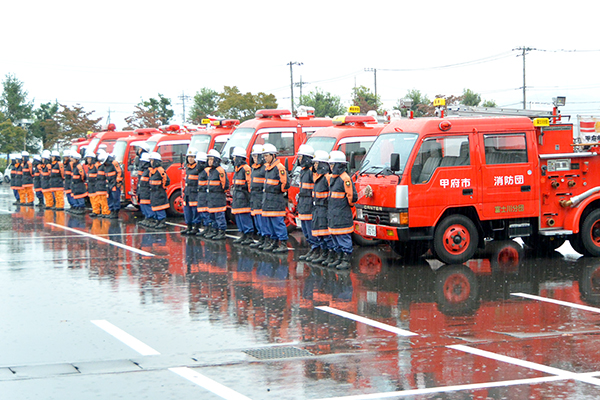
{"type": "Point", "coordinates": [448, 184]}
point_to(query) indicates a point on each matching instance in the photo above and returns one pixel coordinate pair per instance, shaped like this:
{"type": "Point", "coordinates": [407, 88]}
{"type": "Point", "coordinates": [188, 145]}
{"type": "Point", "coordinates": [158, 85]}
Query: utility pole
{"type": "Point", "coordinates": [524, 52]}
{"type": "Point", "coordinates": [291, 64]}
{"type": "Point", "coordinates": [183, 98]}
{"type": "Point", "coordinates": [374, 70]}
{"type": "Point", "coordinates": [300, 84]}
{"type": "Point", "coordinates": [108, 119]}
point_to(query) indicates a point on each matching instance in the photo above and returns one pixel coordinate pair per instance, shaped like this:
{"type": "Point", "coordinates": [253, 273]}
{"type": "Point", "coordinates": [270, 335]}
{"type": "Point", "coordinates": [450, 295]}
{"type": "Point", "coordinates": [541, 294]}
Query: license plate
{"type": "Point", "coordinates": [371, 230]}
{"type": "Point", "coordinates": [298, 223]}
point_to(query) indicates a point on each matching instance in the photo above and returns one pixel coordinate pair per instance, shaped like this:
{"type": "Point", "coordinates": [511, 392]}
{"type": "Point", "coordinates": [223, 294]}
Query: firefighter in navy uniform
{"type": "Point", "coordinates": [190, 194]}
{"type": "Point", "coordinates": [68, 169]}
{"type": "Point", "coordinates": [37, 182]}
{"type": "Point", "coordinates": [44, 169]}
{"type": "Point", "coordinates": [240, 192]}
{"type": "Point", "coordinates": [114, 182]}
{"type": "Point", "coordinates": [16, 179]}
{"type": "Point", "coordinates": [159, 181]}
{"type": "Point", "coordinates": [257, 186]}
{"type": "Point", "coordinates": [143, 190]}
{"type": "Point", "coordinates": [90, 179]}
{"type": "Point", "coordinates": [78, 187]}
{"type": "Point", "coordinates": [274, 201]}
{"type": "Point", "coordinates": [305, 198]}
{"type": "Point", "coordinates": [326, 251]}
{"type": "Point", "coordinates": [27, 179]}
{"type": "Point", "coordinates": [201, 159]}
{"type": "Point", "coordinates": [102, 184]}
{"type": "Point", "coordinates": [57, 180]}
{"type": "Point", "coordinates": [218, 183]}
{"type": "Point", "coordinates": [342, 196]}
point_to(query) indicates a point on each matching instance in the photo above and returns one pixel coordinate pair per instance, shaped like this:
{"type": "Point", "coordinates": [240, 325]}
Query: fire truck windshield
{"type": "Point", "coordinates": [119, 150]}
{"type": "Point", "coordinates": [240, 137]}
{"type": "Point", "coordinates": [93, 144]}
{"type": "Point", "coordinates": [378, 157]}
{"type": "Point", "coordinates": [321, 143]}
{"type": "Point", "coordinates": [200, 143]}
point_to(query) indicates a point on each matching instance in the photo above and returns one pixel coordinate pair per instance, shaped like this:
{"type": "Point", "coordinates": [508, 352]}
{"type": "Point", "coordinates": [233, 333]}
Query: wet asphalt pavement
{"type": "Point", "coordinates": [103, 309]}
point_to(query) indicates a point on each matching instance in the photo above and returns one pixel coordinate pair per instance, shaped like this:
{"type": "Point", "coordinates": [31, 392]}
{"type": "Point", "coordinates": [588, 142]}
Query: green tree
{"type": "Point", "coordinates": [12, 138]}
{"type": "Point", "coordinates": [233, 104]}
{"type": "Point", "coordinates": [44, 125]}
{"type": "Point", "coordinates": [151, 113]}
{"type": "Point", "coordinates": [365, 99]}
{"type": "Point", "coordinates": [206, 102]}
{"type": "Point", "coordinates": [324, 103]}
{"type": "Point", "coordinates": [470, 98]}
{"type": "Point", "coordinates": [72, 123]}
{"type": "Point", "coordinates": [489, 103]}
{"type": "Point", "coordinates": [13, 102]}
{"type": "Point", "coordinates": [420, 103]}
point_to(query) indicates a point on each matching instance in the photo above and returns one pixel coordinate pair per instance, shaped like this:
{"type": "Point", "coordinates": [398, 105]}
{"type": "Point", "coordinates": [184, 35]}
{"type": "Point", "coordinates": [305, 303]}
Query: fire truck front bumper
{"type": "Point", "coordinates": [383, 232]}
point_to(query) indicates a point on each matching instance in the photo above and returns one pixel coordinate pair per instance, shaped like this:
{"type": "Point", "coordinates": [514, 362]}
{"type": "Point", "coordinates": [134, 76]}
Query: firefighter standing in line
{"type": "Point", "coordinates": [92, 174]}
{"type": "Point", "coordinates": [320, 230]}
{"type": "Point", "coordinates": [342, 196]}
{"type": "Point", "coordinates": [190, 194]}
{"type": "Point", "coordinates": [159, 181]}
{"type": "Point", "coordinates": [216, 200]}
{"type": "Point", "coordinates": [102, 185]}
{"type": "Point", "coordinates": [68, 168]}
{"type": "Point", "coordinates": [114, 181]}
{"type": "Point", "coordinates": [37, 182]}
{"type": "Point", "coordinates": [305, 200]}
{"type": "Point", "coordinates": [240, 192]}
{"type": "Point", "coordinates": [257, 187]}
{"type": "Point", "coordinates": [27, 179]}
{"type": "Point", "coordinates": [143, 190]}
{"type": "Point", "coordinates": [45, 180]}
{"type": "Point", "coordinates": [57, 183]}
{"type": "Point", "coordinates": [16, 178]}
{"type": "Point", "coordinates": [13, 173]}
{"type": "Point", "coordinates": [202, 209]}
{"type": "Point", "coordinates": [78, 187]}
{"type": "Point", "coordinates": [274, 201]}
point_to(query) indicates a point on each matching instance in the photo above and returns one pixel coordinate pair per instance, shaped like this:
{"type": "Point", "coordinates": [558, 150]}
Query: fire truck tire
{"type": "Point", "coordinates": [590, 233]}
{"type": "Point", "coordinates": [577, 245]}
{"type": "Point", "coordinates": [455, 239]}
{"type": "Point", "coordinates": [410, 250]}
{"type": "Point", "coordinates": [589, 283]}
{"type": "Point", "coordinates": [364, 242]}
{"type": "Point", "coordinates": [456, 290]}
{"type": "Point", "coordinates": [176, 204]}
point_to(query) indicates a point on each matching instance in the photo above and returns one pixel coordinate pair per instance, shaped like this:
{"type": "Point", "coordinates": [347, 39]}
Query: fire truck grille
{"type": "Point", "coordinates": [376, 217]}
{"type": "Point", "coordinates": [277, 352]}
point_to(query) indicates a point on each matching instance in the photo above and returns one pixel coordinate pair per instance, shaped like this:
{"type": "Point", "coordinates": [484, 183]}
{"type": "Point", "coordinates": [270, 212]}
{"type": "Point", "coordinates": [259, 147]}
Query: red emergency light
{"type": "Point", "coordinates": [78, 140]}
{"type": "Point", "coordinates": [111, 127]}
{"type": "Point", "coordinates": [228, 122]}
{"type": "Point", "coordinates": [272, 113]}
{"type": "Point", "coordinates": [145, 131]}
{"type": "Point", "coordinates": [172, 128]}
{"type": "Point", "coordinates": [445, 126]}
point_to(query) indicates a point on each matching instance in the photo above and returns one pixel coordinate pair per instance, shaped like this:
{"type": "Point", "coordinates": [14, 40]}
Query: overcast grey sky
{"type": "Point", "coordinates": [112, 54]}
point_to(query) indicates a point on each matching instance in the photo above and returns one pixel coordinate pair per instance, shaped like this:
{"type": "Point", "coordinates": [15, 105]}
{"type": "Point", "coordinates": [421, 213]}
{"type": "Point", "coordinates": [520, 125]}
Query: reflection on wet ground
{"type": "Point", "coordinates": [507, 325]}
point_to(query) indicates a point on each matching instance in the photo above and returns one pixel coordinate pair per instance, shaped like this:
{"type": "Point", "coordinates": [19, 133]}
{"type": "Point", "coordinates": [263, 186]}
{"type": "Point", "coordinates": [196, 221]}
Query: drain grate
{"type": "Point", "coordinates": [277, 352]}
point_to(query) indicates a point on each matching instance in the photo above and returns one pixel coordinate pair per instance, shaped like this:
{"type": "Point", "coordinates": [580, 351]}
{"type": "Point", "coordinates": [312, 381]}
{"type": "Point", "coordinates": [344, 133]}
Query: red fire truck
{"type": "Point", "coordinates": [215, 136]}
{"type": "Point", "coordinates": [451, 184]}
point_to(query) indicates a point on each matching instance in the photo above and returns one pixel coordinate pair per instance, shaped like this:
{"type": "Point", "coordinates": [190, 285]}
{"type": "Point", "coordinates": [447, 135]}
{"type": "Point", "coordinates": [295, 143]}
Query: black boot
{"type": "Point", "coordinates": [220, 235]}
{"type": "Point", "coordinates": [187, 231]}
{"type": "Point", "coordinates": [151, 223]}
{"type": "Point", "coordinates": [249, 240]}
{"type": "Point", "coordinates": [315, 254]}
{"type": "Point", "coordinates": [345, 262]}
{"type": "Point", "coordinates": [201, 230]}
{"type": "Point", "coordinates": [280, 247]}
{"type": "Point", "coordinates": [210, 232]}
{"type": "Point", "coordinates": [260, 242]}
{"type": "Point", "coordinates": [337, 260]}
{"type": "Point", "coordinates": [194, 229]}
{"type": "Point", "coordinates": [331, 256]}
{"type": "Point", "coordinates": [303, 257]}
{"type": "Point", "coordinates": [322, 257]}
{"type": "Point", "coordinates": [113, 215]}
{"type": "Point", "coordinates": [268, 245]}
{"type": "Point", "coordinates": [240, 239]}
{"type": "Point", "coordinates": [160, 225]}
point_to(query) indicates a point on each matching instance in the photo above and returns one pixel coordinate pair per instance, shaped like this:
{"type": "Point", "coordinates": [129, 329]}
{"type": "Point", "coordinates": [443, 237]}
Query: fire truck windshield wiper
{"type": "Point", "coordinates": [364, 171]}
{"type": "Point", "coordinates": [386, 170]}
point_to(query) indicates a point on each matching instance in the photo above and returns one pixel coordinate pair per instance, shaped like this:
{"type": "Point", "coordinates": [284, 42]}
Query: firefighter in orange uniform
{"type": "Point", "coordinates": [216, 200]}
{"type": "Point", "coordinates": [101, 184]}
{"type": "Point", "coordinates": [92, 174]}
{"type": "Point", "coordinates": [37, 182]}
{"type": "Point", "coordinates": [16, 178]}
{"type": "Point", "coordinates": [159, 181]}
{"type": "Point", "coordinates": [78, 188]}
{"type": "Point", "coordinates": [240, 192]}
{"type": "Point", "coordinates": [57, 180]}
{"type": "Point", "coordinates": [274, 201]}
{"type": "Point", "coordinates": [27, 179]}
{"type": "Point", "coordinates": [320, 230]}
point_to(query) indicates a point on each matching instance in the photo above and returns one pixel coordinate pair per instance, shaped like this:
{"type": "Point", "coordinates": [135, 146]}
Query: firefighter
{"type": "Point", "coordinates": [16, 175]}
{"type": "Point", "coordinates": [37, 182]}
{"type": "Point", "coordinates": [102, 184]}
{"type": "Point", "coordinates": [190, 194]}
{"type": "Point", "coordinates": [257, 187]}
{"type": "Point", "coordinates": [143, 190]}
{"type": "Point", "coordinates": [139, 151]}
{"type": "Point", "coordinates": [159, 181]}
{"type": "Point", "coordinates": [57, 181]}
{"type": "Point", "coordinates": [202, 209]}
{"type": "Point", "coordinates": [68, 168]}
{"type": "Point", "coordinates": [342, 196]}
{"type": "Point", "coordinates": [114, 182]}
{"type": "Point", "coordinates": [26, 179]}
{"type": "Point", "coordinates": [320, 230]}
{"type": "Point", "coordinates": [304, 198]}
{"type": "Point", "coordinates": [91, 176]}
{"type": "Point", "coordinates": [274, 201]}
{"type": "Point", "coordinates": [78, 187]}
{"type": "Point", "coordinates": [240, 192]}
{"type": "Point", "coordinates": [218, 183]}
{"type": "Point", "coordinates": [45, 180]}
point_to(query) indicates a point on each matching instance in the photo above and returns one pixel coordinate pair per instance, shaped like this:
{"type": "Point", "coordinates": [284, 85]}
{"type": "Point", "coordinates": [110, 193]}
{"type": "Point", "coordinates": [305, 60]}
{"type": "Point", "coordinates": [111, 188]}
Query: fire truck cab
{"type": "Point", "coordinates": [215, 136]}
{"type": "Point", "coordinates": [450, 184]}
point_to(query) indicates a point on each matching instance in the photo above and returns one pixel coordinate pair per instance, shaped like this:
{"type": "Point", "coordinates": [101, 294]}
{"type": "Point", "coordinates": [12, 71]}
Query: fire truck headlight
{"type": "Point", "coordinates": [395, 218]}
{"type": "Point", "coordinates": [359, 213]}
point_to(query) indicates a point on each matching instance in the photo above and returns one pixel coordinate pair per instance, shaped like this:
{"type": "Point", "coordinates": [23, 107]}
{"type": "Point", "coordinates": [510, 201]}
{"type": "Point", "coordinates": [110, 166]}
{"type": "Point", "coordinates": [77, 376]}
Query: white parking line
{"type": "Point", "coordinates": [208, 384]}
{"type": "Point", "coordinates": [126, 338]}
{"type": "Point", "coordinates": [367, 321]}
{"type": "Point", "coordinates": [527, 364]}
{"type": "Point", "coordinates": [559, 302]}
{"type": "Point", "coordinates": [121, 245]}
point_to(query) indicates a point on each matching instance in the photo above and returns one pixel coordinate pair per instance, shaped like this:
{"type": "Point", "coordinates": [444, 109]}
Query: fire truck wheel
{"type": "Point", "coordinates": [176, 204]}
{"type": "Point", "coordinates": [590, 233]}
{"type": "Point", "coordinates": [455, 239]}
{"type": "Point", "coordinates": [361, 241]}
{"type": "Point", "coordinates": [410, 251]}
{"type": "Point", "coordinates": [577, 245]}
{"type": "Point", "coordinates": [456, 290]}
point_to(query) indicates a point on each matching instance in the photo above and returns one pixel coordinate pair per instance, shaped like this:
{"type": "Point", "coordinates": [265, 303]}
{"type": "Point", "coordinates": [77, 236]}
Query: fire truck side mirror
{"type": "Point", "coordinates": [352, 163]}
{"type": "Point", "coordinates": [395, 162]}
{"type": "Point", "coordinates": [287, 165]}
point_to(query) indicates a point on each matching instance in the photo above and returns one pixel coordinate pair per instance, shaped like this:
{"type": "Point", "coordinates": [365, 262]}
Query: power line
{"type": "Point", "coordinates": [462, 64]}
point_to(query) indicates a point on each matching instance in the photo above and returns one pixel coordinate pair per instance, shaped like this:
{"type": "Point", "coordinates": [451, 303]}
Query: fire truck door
{"type": "Point", "coordinates": [507, 175]}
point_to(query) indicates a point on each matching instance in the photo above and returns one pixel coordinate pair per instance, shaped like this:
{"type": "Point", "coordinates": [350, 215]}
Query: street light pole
{"type": "Point", "coordinates": [374, 70]}
{"type": "Point", "coordinates": [291, 64]}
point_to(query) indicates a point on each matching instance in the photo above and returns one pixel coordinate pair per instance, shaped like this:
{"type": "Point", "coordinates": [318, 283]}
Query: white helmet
{"type": "Point", "coordinates": [268, 148]}
{"type": "Point", "coordinates": [145, 156]}
{"type": "Point", "coordinates": [214, 153]}
{"type": "Point", "coordinates": [257, 149]}
{"type": "Point", "coordinates": [337, 156]}
{"type": "Point", "coordinates": [191, 152]}
{"type": "Point", "coordinates": [238, 152]}
{"type": "Point", "coordinates": [55, 153]}
{"type": "Point", "coordinates": [201, 156]}
{"type": "Point", "coordinates": [46, 154]}
{"type": "Point", "coordinates": [102, 156]}
{"type": "Point", "coordinates": [306, 150]}
{"type": "Point", "coordinates": [321, 156]}
{"type": "Point", "coordinates": [76, 155]}
{"type": "Point", "coordinates": [25, 154]}
{"type": "Point", "coordinates": [67, 153]}
{"type": "Point", "coordinates": [37, 158]}
{"type": "Point", "coordinates": [90, 154]}
{"type": "Point", "coordinates": [155, 156]}
{"type": "Point", "coordinates": [144, 146]}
